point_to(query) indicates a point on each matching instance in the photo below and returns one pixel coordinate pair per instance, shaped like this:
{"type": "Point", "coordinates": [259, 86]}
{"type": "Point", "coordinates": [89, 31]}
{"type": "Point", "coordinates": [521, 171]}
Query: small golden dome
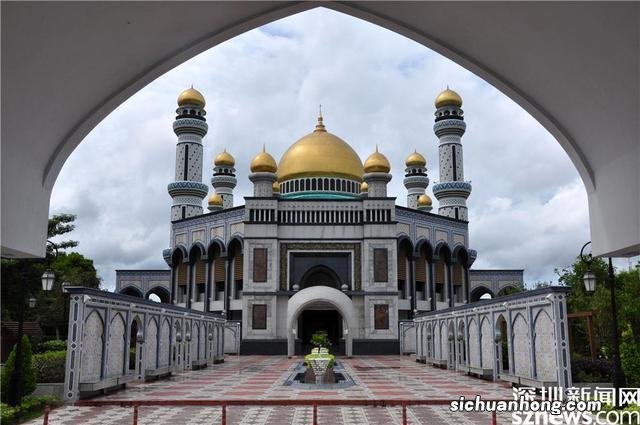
{"type": "Point", "coordinates": [215, 199]}
{"type": "Point", "coordinates": [263, 163]}
{"type": "Point", "coordinates": [415, 160]}
{"type": "Point", "coordinates": [377, 163]}
{"type": "Point", "coordinates": [320, 153]}
{"type": "Point", "coordinates": [224, 158]}
{"type": "Point", "coordinates": [448, 97]}
{"type": "Point", "coordinates": [276, 187]}
{"type": "Point", "coordinates": [191, 96]}
{"type": "Point", "coordinates": [424, 200]}
{"type": "Point", "coordinates": [364, 187]}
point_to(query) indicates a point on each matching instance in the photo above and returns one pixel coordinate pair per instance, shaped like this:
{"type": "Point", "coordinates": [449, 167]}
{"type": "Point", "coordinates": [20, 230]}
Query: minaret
{"type": "Point", "coordinates": [263, 174]}
{"type": "Point", "coordinates": [416, 179]}
{"type": "Point", "coordinates": [451, 191]}
{"type": "Point", "coordinates": [224, 177]}
{"type": "Point", "coordinates": [188, 191]}
{"type": "Point", "coordinates": [376, 175]}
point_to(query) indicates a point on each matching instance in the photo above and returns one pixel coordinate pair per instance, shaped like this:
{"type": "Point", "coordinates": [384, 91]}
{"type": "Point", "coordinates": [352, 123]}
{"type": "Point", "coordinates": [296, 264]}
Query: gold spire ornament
{"type": "Point", "coordinates": [448, 98]}
{"type": "Point", "coordinates": [191, 96]}
{"type": "Point", "coordinates": [377, 163]}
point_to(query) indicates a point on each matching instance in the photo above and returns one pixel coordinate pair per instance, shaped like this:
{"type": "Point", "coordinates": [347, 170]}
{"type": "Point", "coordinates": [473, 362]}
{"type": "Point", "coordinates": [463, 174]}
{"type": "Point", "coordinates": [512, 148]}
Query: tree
{"type": "Point", "coordinates": [61, 224]}
{"type": "Point", "coordinates": [51, 311]}
{"type": "Point", "coordinates": [627, 285]}
{"type": "Point", "coordinates": [28, 372]}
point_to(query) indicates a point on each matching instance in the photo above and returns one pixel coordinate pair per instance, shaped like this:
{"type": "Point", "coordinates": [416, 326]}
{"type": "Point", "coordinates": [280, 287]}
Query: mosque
{"type": "Point", "coordinates": [321, 244]}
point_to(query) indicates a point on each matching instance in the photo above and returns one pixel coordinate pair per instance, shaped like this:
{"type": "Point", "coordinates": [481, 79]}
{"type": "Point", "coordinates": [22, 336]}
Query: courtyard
{"type": "Point", "coordinates": [262, 377]}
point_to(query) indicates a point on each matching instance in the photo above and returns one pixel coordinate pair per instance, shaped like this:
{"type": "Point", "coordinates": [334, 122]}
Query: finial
{"type": "Point", "coordinates": [191, 85]}
{"type": "Point", "coordinates": [376, 147]}
{"type": "Point", "coordinates": [264, 148]}
{"type": "Point", "coordinates": [447, 86]}
{"type": "Point", "coordinates": [320, 125]}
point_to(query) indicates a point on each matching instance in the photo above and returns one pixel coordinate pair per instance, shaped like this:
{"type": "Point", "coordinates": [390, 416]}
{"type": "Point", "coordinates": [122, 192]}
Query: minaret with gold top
{"type": "Point", "coordinates": [452, 190]}
{"type": "Point", "coordinates": [224, 177]}
{"type": "Point", "coordinates": [416, 179]}
{"type": "Point", "coordinates": [188, 191]}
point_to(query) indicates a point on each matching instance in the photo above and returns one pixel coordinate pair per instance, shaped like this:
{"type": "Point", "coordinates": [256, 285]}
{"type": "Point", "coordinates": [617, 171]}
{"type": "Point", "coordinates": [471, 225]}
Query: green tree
{"type": "Point", "coordinates": [51, 311]}
{"type": "Point", "coordinates": [28, 372]}
{"type": "Point", "coordinates": [627, 284]}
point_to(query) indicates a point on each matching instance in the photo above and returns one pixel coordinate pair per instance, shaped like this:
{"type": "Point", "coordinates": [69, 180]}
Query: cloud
{"type": "Point", "coordinates": [528, 207]}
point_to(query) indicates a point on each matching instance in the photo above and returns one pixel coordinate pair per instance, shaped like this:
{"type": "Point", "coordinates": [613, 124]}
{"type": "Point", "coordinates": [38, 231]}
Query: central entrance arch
{"type": "Point", "coordinates": [320, 298]}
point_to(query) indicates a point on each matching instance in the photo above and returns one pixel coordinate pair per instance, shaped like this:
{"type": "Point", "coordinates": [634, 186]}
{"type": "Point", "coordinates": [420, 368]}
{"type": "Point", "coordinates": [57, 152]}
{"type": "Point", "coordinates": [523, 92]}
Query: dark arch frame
{"type": "Point", "coordinates": [156, 290]}
{"type": "Point", "coordinates": [130, 290]}
{"type": "Point", "coordinates": [478, 292]}
{"type": "Point", "coordinates": [317, 269]}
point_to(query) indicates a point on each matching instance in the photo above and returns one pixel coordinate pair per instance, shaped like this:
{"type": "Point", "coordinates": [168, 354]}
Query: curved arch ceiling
{"type": "Point", "coordinates": [573, 66]}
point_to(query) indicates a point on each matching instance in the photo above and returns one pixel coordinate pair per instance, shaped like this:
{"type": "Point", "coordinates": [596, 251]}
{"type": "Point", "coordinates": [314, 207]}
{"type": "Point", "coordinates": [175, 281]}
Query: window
{"type": "Point", "coordinates": [380, 267]}
{"type": "Point", "coordinates": [381, 316]}
{"type": "Point", "coordinates": [259, 314]}
{"type": "Point", "coordinates": [259, 264]}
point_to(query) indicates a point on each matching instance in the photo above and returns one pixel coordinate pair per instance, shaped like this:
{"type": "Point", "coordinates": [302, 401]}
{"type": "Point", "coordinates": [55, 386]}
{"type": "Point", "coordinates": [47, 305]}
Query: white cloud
{"type": "Point", "coordinates": [528, 208]}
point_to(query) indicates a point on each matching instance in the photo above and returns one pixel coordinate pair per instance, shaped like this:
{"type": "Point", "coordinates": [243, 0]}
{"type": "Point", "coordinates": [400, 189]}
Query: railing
{"type": "Point", "coordinates": [225, 404]}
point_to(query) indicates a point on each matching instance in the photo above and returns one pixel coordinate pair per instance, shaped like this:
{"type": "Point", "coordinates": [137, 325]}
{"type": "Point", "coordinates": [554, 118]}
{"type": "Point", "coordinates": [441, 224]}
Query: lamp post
{"type": "Point", "coordinates": [16, 379]}
{"type": "Point", "coordinates": [589, 280]}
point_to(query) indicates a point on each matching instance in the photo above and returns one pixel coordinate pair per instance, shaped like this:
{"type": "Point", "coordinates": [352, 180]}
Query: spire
{"type": "Point", "coordinates": [320, 125]}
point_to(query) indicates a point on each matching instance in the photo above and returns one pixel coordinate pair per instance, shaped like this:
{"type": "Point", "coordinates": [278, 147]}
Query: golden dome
{"type": "Point", "coordinates": [224, 158]}
{"type": "Point", "coordinates": [364, 187]}
{"type": "Point", "coordinates": [320, 153]}
{"type": "Point", "coordinates": [448, 97]}
{"type": "Point", "coordinates": [263, 162]}
{"type": "Point", "coordinates": [415, 160]}
{"type": "Point", "coordinates": [424, 200]}
{"type": "Point", "coordinates": [377, 163]}
{"type": "Point", "coordinates": [276, 187]}
{"type": "Point", "coordinates": [191, 96]}
{"type": "Point", "coordinates": [215, 199]}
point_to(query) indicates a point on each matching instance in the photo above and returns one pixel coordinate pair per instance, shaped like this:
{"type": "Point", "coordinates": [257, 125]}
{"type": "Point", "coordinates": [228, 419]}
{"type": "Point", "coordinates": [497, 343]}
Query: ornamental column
{"type": "Point", "coordinates": [188, 191]}
{"type": "Point", "coordinates": [451, 191]}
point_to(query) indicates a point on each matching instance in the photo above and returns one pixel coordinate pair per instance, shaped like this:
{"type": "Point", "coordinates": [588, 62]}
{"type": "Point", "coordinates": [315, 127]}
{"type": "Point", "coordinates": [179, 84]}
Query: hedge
{"type": "Point", "coordinates": [30, 407]}
{"type": "Point", "coordinates": [52, 345]}
{"type": "Point", "coordinates": [49, 366]}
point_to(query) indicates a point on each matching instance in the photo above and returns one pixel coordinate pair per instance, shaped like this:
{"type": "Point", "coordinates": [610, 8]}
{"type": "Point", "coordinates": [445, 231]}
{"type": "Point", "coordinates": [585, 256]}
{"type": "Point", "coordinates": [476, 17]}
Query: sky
{"type": "Point", "coordinates": [528, 207]}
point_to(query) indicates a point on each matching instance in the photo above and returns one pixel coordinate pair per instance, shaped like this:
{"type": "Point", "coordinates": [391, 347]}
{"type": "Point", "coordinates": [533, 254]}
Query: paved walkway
{"type": "Point", "coordinates": [261, 377]}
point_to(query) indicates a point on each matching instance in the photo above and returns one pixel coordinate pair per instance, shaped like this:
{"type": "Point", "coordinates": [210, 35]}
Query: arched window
{"type": "Point", "coordinates": [297, 185]}
{"type": "Point", "coordinates": [314, 184]}
{"type": "Point", "coordinates": [333, 184]}
{"type": "Point", "coordinates": [326, 184]}
{"type": "Point", "coordinates": [307, 184]}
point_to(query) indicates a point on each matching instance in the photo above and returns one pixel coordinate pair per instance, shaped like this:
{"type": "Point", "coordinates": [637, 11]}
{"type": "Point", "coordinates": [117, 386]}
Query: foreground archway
{"type": "Point", "coordinates": [169, 35]}
{"type": "Point", "coordinates": [314, 295]}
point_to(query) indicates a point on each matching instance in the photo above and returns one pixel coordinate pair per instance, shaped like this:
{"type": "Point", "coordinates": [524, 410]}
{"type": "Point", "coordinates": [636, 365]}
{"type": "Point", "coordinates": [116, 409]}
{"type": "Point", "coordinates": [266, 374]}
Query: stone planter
{"type": "Point", "coordinates": [55, 389]}
{"type": "Point", "coordinates": [329, 376]}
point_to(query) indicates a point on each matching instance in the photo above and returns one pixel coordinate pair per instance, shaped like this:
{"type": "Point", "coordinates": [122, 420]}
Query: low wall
{"type": "Point", "coordinates": [521, 338]}
{"type": "Point", "coordinates": [114, 339]}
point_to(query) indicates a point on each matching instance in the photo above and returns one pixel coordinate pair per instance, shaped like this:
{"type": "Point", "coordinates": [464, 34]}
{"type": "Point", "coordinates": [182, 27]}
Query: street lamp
{"type": "Point", "coordinates": [48, 278]}
{"type": "Point", "coordinates": [589, 279]}
{"type": "Point", "coordinates": [16, 379]}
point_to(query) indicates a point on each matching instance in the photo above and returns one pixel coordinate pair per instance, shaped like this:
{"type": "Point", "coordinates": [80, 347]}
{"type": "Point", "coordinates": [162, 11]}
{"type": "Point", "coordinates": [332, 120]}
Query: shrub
{"type": "Point", "coordinates": [320, 340]}
{"type": "Point", "coordinates": [28, 374]}
{"type": "Point", "coordinates": [630, 358]}
{"type": "Point", "coordinates": [599, 370]}
{"type": "Point", "coordinates": [30, 407]}
{"type": "Point", "coordinates": [308, 357]}
{"type": "Point", "coordinates": [49, 366]}
{"type": "Point", "coordinates": [53, 345]}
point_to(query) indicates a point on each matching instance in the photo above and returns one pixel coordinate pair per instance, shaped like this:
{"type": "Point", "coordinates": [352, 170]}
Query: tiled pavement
{"type": "Point", "coordinates": [261, 377]}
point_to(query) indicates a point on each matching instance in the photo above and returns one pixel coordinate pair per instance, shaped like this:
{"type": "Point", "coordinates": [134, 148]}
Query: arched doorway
{"type": "Point", "coordinates": [159, 294]}
{"type": "Point", "coordinates": [131, 291]}
{"type": "Point", "coordinates": [325, 300]}
{"type": "Point", "coordinates": [320, 317]}
{"type": "Point", "coordinates": [481, 293]}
